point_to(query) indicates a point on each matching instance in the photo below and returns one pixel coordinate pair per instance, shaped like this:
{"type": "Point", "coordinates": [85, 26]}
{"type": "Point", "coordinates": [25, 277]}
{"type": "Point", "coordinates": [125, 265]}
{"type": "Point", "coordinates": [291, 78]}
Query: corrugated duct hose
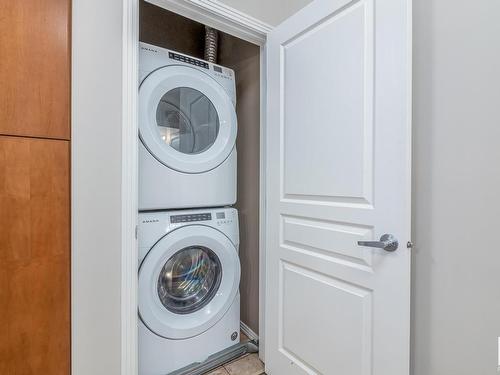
{"type": "Point", "coordinates": [211, 41]}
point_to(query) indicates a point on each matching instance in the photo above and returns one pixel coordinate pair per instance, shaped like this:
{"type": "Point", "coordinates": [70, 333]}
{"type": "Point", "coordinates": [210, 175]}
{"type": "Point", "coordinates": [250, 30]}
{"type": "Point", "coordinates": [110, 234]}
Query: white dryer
{"type": "Point", "coordinates": [189, 274]}
{"type": "Point", "coordinates": [187, 131]}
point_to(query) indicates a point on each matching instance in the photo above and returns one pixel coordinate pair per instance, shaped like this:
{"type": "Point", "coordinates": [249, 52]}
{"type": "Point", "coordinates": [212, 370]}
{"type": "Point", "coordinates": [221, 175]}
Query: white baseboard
{"type": "Point", "coordinates": [248, 331]}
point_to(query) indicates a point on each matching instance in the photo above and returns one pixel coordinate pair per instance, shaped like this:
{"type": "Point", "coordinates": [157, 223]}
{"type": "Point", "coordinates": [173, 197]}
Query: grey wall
{"type": "Point", "coordinates": [456, 161]}
{"type": "Point", "coordinates": [272, 12]}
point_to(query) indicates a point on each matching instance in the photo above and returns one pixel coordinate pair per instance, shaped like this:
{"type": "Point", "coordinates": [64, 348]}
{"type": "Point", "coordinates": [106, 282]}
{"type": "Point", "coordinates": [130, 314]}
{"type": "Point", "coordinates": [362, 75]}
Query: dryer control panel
{"type": "Point", "coordinates": [188, 60]}
{"type": "Point", "coordinates": [153, 57]}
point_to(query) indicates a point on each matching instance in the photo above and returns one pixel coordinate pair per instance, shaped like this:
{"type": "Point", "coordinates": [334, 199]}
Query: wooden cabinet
{"type": "Point", "coordinates": [34, 256]}
{"type": "Point", "coordinates": [35, 68]}
{"type": "Point", "coordinates": [35, 80]}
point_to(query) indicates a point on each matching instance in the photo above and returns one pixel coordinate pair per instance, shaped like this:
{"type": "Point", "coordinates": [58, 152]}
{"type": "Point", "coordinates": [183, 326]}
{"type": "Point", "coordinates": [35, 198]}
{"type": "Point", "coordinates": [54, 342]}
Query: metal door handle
{"type": "Point", "coordinates": [387, 242]}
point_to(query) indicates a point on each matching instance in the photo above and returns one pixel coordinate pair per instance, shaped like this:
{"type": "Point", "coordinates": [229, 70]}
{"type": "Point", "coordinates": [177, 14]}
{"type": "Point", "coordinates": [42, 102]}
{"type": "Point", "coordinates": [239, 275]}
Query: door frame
{"type": "Point", "coordinates": [224, 18]}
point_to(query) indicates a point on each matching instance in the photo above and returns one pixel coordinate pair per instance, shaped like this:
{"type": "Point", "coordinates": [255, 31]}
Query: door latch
{"type": "Point", "coordinates": [387, 242]}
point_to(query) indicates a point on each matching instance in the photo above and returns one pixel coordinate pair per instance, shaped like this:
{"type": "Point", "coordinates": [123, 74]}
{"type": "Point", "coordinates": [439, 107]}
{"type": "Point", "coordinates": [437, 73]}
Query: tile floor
{"type": "Point", "coordinates": [248, 364]}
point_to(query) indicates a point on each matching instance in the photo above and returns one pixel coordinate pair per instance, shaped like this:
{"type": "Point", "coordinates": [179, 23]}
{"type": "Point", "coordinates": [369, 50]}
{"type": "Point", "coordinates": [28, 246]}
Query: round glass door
{"type": "Point", "coordinates": [189, 279]}
{"type": "Point", "coordinates": [187, 120]}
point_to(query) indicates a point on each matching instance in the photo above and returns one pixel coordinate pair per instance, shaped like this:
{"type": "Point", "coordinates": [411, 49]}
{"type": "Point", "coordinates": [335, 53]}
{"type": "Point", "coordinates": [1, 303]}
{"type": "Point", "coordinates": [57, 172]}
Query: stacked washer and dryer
{"type": "Point", "coordinates": [189, 269]}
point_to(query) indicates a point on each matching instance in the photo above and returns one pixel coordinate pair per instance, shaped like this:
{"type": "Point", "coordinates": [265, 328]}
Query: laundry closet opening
{"type": "Point", "coordinates": [180, 35]}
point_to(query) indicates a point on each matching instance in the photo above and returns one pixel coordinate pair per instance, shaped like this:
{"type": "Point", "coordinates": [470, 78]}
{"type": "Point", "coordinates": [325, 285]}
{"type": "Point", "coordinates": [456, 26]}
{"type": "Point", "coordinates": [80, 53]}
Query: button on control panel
{"type": "Point", "coordinates": [188, 218]}
{"type": "Point", "coordinates": [189, 60]}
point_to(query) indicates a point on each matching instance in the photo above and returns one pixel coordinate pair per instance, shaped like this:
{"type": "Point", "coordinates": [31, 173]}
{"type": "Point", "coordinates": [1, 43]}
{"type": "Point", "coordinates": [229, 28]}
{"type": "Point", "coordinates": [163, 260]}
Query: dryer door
{"type": "Point", "coordinates": [188, 281]}
{"type": "Point", "coordinates": [186, 119]}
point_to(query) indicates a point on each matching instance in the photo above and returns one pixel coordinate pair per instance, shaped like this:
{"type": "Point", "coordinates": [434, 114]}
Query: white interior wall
{"type": "Point", "coordinates": [96, 186]}
{"type": "Point", "coordinates": [456, 181]}
{"type": "Point", "coordinates": [271, 12]}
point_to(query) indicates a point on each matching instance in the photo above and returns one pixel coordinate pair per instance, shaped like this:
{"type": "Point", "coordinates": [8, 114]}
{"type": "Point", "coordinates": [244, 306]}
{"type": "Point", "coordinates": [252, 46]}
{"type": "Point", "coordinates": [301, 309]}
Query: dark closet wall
{"type": "Point", "coordinates": [244, 58]}
{"type": "Point", "coordinates": [165, 29]}
{"type": "Point", "coordinates": [169, 30]}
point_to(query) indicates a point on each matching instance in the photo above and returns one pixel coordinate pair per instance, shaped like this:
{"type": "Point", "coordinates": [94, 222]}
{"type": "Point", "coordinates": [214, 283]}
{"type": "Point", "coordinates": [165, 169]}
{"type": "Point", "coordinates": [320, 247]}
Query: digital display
{"type": "Point", "coordinates": [220, 215]}
{"type": "Point", "coordinates": [218, 69]}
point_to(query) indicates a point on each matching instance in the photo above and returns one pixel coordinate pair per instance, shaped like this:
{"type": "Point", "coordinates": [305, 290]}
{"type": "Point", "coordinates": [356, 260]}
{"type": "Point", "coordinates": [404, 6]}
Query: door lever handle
{"type": "Point", "coordinates": [387, 242]}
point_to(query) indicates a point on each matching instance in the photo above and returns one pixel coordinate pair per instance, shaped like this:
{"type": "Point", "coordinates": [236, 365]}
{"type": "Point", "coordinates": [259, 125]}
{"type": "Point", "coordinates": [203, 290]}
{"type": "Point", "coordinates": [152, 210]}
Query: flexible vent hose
{"type": "Point", "coordinates": [211, 39]}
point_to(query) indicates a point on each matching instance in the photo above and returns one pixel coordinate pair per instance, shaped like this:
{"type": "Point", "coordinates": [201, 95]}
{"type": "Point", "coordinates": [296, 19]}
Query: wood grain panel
{"type": "Point", "coordinates": [34, 256]}
{"type": "Point", "coordinates": [35, 68]}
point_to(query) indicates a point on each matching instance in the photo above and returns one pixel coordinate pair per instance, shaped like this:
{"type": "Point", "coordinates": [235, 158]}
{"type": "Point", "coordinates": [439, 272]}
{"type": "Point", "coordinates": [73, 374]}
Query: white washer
{"type": "Point", "coordinates": [187, 131]}
{"type": "Point", "coordinates": [189, 275]}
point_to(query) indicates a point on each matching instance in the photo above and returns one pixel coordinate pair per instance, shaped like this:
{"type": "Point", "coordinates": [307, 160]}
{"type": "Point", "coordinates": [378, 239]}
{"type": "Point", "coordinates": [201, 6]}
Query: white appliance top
{"type": "Point", "coordinates": [152, 58]}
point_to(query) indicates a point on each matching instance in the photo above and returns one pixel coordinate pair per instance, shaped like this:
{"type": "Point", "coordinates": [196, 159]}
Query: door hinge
{"type": "Point", "coordinates": [136, 230]}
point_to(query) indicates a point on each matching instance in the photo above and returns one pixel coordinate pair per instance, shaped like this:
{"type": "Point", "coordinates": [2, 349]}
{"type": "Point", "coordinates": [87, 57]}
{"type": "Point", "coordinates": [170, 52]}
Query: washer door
{"type": "Point", "coordinates": [186, 119]}
{"type": "Point", "coordinates": [188, 281]}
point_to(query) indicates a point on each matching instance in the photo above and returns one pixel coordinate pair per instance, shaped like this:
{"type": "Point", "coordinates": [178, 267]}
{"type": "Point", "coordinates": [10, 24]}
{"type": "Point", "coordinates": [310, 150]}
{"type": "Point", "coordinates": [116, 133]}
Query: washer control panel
{"type": "Point", "coordinates": [174, 219]}
{"type": "Point", "coordinates": [153, 226]}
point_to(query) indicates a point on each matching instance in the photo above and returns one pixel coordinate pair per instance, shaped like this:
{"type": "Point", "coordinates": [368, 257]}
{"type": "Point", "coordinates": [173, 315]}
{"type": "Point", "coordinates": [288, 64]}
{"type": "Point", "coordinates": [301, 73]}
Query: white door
{"type": "Point", "coordinates": [338, 172]}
